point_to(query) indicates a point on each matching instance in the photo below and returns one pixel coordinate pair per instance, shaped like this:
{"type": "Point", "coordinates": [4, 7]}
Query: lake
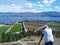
{"type": "Point", "coordinates": [17, 19]}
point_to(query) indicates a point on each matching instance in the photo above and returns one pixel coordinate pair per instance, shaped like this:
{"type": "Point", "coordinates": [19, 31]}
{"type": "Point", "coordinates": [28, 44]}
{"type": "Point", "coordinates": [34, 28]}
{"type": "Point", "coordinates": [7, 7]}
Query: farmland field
{"type": "Point", "coordinates": [16, 28]}
{"type": "Point", "coordinates": [3, 29]}
{"type": "Point", "coordinates": [34, 25]}
{"type": "Point", "coordinates": [54, 25]}
{"type": "Point", "coordinates": [29, 26]}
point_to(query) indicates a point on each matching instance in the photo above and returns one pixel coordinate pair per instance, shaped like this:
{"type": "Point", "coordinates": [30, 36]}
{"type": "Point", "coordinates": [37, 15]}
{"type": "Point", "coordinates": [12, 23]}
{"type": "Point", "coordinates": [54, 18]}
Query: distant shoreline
{"type": "Point", "coordinates": [28, 19]}
{"type": "Point", "coordinates": [11, 23]}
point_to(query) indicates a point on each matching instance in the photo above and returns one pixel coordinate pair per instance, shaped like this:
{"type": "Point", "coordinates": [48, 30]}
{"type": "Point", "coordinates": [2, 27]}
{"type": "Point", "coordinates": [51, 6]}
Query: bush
{"type": "Point", "coordinates": [9, 37]}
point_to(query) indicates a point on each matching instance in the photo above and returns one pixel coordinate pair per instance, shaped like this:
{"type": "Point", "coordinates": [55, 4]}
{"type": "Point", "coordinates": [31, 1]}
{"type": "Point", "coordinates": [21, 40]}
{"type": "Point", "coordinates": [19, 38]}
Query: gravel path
{"type": "Point", "coordinates": [9, 28]}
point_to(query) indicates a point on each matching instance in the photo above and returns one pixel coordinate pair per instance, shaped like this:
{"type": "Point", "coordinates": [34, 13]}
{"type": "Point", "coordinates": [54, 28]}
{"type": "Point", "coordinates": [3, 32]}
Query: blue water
{"type": "Point", "coordinates": [17, 19]}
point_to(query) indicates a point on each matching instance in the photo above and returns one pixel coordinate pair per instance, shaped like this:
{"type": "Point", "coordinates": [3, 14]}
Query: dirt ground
{"type": "Point", "coordinates": [57, 41]}
{"type": "Point", "coordinates": [35, 25]}
{"type": "Point", "coordinates": [36, 40]}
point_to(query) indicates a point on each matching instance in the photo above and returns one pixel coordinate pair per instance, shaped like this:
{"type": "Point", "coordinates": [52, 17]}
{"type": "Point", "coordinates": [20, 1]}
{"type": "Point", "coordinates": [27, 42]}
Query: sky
{"type": "Point", "coordinates": [29, 5]}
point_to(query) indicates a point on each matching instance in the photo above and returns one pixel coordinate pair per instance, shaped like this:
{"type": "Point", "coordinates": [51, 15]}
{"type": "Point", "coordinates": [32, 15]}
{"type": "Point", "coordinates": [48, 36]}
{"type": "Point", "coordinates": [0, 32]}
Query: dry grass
{"type": "Point", "coordinates": [34, 25]}
{"type": "Point", "coordinates": [31, 38]}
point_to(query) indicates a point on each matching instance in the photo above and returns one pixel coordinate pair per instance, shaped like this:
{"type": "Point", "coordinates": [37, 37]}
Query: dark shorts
{"type": "Point", "coordinates": [49, 43]}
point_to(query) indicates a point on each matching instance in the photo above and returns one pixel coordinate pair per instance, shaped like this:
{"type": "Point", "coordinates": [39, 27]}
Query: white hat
{"type": "Point", "coordinates": [46, 26]}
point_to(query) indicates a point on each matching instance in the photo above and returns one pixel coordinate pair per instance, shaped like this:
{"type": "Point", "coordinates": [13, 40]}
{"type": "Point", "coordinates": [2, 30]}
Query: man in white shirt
{"type": "Point", "coordinates": [48, 36]}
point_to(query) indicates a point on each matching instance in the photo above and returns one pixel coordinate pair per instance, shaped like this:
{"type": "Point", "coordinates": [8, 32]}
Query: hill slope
{"type": "Point", "coordinates": [31, 14]}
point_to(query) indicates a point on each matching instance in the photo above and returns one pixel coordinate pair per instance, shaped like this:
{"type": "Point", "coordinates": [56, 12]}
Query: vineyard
{"type": "Point", "coordinates": [16, 28]}
{"type": "Point", "coordinates": [35, 25]}
{"type": "Point", "coordinates": [3, 29]}
{"type": "Point", "coordinates": [8, 32]}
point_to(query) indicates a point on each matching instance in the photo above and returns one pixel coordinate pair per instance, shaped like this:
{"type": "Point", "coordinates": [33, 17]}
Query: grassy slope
{"type": "Point", "coordinates": [34, 25]}
{"type": "Point", "coordinates": [55, 26]}
{"type": "Point", "coordinates": [3, 29]}
{"type": "Point", "coordinates": [16, 28]}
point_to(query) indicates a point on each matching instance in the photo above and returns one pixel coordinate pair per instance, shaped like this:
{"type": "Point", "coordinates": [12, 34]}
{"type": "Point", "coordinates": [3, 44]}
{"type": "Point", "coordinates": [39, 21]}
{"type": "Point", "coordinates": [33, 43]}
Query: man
{"type": "Point", "coordinates": [48, 36]}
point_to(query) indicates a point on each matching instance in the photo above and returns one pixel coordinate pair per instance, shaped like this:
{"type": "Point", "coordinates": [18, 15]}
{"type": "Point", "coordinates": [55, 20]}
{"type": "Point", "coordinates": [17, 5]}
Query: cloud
{"type": "Point", "coordinates": [45, 1]}
{"type": "Point", "coordinates": [29, 5]}
{"type": "Point", "coordinates": [38, 2]}
{"type": "Point", "coordinates": [57, 7]}
{"type": "Point", "coordinates": [48, 2]}
{"type": "Point", "coordinates": [52, 1]}
{"type": "Point", "coordinates": [16, 8]}
{"type": "Point", "coordinates": [10, 8]}
{"type": "Point", "coordinates": [28, 10]}
{"type": "Point", "coordinates": [40, 5]}
{"type": "Point", "coordinates": [19, 2]}
{"type": "Point", "coordinates": [48, 9]}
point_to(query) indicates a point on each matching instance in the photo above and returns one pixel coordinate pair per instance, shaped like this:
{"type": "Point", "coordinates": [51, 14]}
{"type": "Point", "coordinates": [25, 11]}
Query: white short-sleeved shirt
{"type": "Point", "coordinates": [48, 36]}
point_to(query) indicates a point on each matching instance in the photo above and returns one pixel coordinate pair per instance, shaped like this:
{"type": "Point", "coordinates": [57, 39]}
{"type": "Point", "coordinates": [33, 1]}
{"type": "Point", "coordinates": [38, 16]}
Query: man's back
{"type": "Point", "coordinates": [48, 36]}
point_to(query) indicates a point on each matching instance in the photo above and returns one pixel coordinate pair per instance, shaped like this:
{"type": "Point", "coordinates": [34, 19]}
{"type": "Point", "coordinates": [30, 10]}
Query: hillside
{"type": "Point", "coordinates": [31, 14]}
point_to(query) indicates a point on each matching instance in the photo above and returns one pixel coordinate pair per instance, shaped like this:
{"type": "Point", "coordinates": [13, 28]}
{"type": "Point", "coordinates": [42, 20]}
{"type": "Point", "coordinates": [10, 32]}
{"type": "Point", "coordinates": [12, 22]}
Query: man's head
{"type": "Point", "coordinates": [46, 26]}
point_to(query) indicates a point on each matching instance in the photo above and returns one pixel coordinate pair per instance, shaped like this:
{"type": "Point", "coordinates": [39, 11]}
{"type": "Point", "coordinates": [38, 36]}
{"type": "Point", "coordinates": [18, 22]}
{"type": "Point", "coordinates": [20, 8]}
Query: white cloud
{"type": "Point", "coordinates": [57, 7]}
{"type": "Point", "coordinates": [48, 9]}
{"type": "Point", "coordinates": [45, 1]}
{"type": "Point", "coordinates": [26, 6]}
{"type": "Point", "coordinates": [29, 5]}
{"type": "Point", "coordinates": [40, 5]}
{"type": "Point", "coordinates": [48, 2]}
{"type": "Point", "coordinates": [38, 2]}
{"type": "Point", "coordinates": [18, 8]}
{"type": "Point", "coordinates": [10, 8]}
{"type": "Point", "coordinates": [51, 1]}
{"type": "Point", "coordinates": [28, 10]}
